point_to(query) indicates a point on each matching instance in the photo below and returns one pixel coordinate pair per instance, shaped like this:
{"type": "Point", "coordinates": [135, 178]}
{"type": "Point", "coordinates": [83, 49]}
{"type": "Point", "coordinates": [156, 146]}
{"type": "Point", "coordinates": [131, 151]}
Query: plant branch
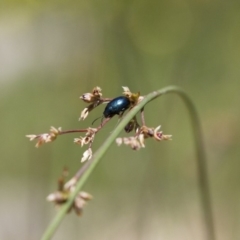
{"type": "Point", "coordinates": [203, 182]}
{"type": "Point", "coordinates": [73, 131]}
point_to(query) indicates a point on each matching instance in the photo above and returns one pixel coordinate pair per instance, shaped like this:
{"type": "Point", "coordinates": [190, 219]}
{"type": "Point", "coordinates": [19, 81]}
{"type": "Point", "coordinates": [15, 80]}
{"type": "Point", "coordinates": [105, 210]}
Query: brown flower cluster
{"type": "Point", "coordinates": [86, 140]}
{"type": "Point", "coordinates": [94, 98]}
{"type": "Point", "coordinates": [134, 98]}
{"type": "Point", "coordinates": [138, 141]}
{"type": "Point", "coordinates": [45, 137]}
{"type": "Point", "coordinates": [63, 193]}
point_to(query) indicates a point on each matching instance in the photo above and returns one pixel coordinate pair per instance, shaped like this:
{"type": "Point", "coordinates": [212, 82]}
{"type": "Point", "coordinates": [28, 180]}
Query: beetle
{"type": "Point", "coordinates": [116, 106]}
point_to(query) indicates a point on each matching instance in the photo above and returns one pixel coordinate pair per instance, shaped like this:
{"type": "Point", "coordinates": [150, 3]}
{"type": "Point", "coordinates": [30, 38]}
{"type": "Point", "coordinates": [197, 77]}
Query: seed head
{"type": "Point", "coordinates": [45, 137]}
{"type": "Point", "coordinates": [129, 141]}
{"type": "Point", "coordinates": [134, 98]}
{"type": "Point", "coordinates": [62, 195]}
{"type": "Point", "coordinates": [89, 137]}
{"type": "Point", "coordinates": [95, 98]}
{"type": "Point", "coordinates": [87, 155]}
{"type": "Point", "coordinates": [143, 133]}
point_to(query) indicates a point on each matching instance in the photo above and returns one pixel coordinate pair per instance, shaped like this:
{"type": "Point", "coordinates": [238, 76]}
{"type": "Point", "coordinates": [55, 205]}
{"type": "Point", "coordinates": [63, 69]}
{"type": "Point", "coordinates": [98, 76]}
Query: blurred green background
{"type": "Point", "coordinates": [51, 52]}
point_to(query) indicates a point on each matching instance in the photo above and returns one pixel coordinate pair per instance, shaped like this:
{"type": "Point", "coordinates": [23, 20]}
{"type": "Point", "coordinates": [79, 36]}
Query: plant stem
{"type": "Point", "coordinates": [142, 117]}
{"type": "Point", "coordinates": [203, 182]}
{"type": "Point", "coordinates": [73, 131]}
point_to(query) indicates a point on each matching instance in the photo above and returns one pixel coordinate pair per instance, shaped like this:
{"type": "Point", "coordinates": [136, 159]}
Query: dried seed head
{"type": "Point", "coordinates": [45, 137]}
{"type": "Point", "coordinates": [143, 133]}
{"type": "Point", "coordinates": [128, 93]}
{"type": "Point", "coordinates": [119, 141]}
{"type": "Point", "coordinates": [58, 197]}
{"type": "Point", "coordinates": [89, 137]}
{"type": "Point", "coordinates": [141, 140]}
{"type": "Point", "coordinates": [61, 196]}
{"type": "Point", "coordinates": [87, 97]}
{"type": "Point", "coordinates": [70, 184]}
{"type": "Point", "coordinates": [133, 97]}
{"type": "Point", "coordinates": [129, 141]}
{"type": "Point", "coordinates": [86, 196]}
{"type": "Point", "coordinates": [159, 136]}
{"type": "Point", "coordinates": [80, 201]}
{"type": "Point", "coordinates": [97, 92]}
{"type": "Point", "coordinates": [84, 113]}
{"type": "Point", "coordinates": [32, 137]}
{"type": "Point", "coordinates": [95, 98]}
{"type": "Point", "coordinates": [87, 155]}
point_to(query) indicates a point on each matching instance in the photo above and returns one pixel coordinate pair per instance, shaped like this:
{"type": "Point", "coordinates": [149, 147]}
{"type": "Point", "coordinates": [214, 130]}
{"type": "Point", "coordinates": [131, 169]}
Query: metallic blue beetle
{"type": "Point", "coordinates": [116, 106]}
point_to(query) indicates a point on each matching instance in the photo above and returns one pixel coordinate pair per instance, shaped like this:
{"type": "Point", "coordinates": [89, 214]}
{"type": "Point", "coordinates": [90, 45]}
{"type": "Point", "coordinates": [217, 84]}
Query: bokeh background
{"type": "Point", "coordinates": [51, 52]}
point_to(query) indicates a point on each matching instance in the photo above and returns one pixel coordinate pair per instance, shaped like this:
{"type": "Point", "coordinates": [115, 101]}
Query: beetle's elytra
{"type": "Point", "coordinates": [116, 106]}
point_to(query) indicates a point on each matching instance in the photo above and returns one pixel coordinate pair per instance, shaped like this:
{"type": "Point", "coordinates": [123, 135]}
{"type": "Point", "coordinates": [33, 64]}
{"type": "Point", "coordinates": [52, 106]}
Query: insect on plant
{"type": "Point", "coordinates": [69, 193]}
{"type": "Point", "coordinates": [115, 106]}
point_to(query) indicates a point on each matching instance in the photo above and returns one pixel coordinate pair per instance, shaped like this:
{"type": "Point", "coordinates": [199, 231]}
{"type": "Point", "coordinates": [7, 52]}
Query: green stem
{"type": "Point", "coordinates": [203, 182]}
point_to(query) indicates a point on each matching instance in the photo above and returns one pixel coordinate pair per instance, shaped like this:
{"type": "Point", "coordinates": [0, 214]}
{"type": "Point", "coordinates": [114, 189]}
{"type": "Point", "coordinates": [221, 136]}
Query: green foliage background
{"type": "Point", "coordinates": [53, 51]}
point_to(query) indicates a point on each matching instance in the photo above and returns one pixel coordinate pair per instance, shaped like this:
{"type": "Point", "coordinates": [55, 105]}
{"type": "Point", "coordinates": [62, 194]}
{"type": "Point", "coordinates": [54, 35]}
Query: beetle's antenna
{"type": "Point", "coordinates": [97, 119]}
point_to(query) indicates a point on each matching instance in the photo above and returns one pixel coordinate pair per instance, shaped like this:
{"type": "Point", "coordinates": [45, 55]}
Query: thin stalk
{"type": "Point", "coordinates": [142, 117]}
{"type": "Point", "coordinates": [73, 131]}
{"type": "Point", "coordinates": [203, 182]}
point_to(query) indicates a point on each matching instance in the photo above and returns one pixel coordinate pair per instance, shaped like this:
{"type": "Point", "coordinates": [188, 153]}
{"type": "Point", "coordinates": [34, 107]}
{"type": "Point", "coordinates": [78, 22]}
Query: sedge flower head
{"type": "Point", "coordinates": [63, 193]}
{"type": "Point", "coordinates": [87, 139]}
{"type": "Point", "coordinates": [45, 137]}
{"type": "Point", "coordinates": [149, 132]}
{"type": "Point", "coordinates": [129, 141]}
{"type": "Point", "coordinates": [143, 133]}
{"type": "Point", "coordinates": [133, 97]}
{"type": "Point", "coordinates": [87, 155]}
{"type": "Point", "coordinates": [94, 98]}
